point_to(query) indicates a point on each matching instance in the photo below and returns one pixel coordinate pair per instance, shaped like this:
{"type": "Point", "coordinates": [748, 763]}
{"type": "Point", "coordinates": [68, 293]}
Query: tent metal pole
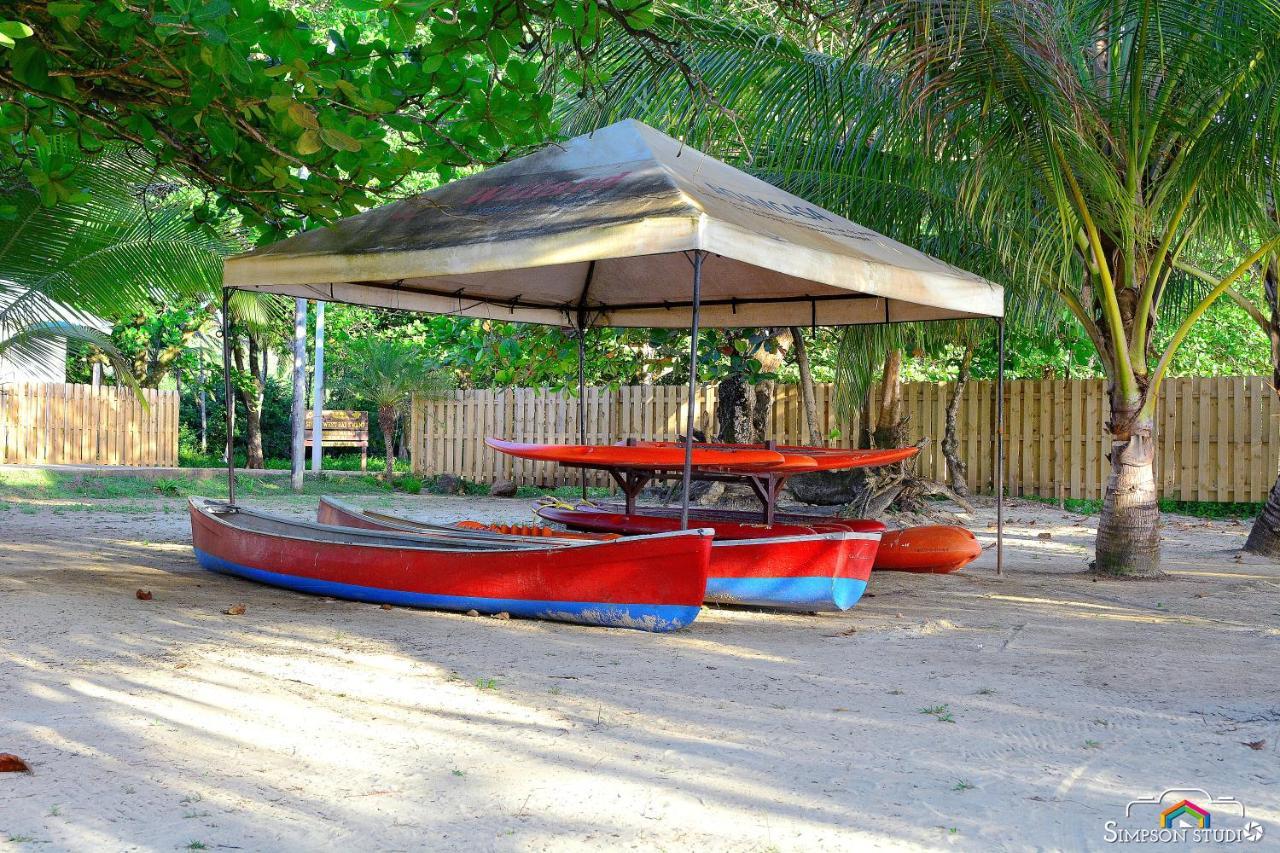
{"type": "Point", "coordinates": [693, 389]}
{"type": "Point", "coordinates": [999, 446]}
{"type": "Point", "coordinates": [230, 398]}
{"type": "Point", "coordinates": [582, 396]}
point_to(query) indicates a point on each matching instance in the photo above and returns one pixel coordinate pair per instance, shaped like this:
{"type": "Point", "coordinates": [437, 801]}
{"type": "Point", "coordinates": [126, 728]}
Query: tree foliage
{"type": "Point", "coordinates": [286, 114]}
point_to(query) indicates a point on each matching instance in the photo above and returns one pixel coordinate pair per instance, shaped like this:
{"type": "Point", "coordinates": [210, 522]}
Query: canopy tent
{"type": "Point", "coordinates": [602, 230]}
{"type": "Point", "coordinates": [596, 229]}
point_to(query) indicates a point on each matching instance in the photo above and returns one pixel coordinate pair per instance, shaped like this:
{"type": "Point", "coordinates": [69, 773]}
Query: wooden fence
{"type": "Point", "coordinates": [51, 423]}
{"type": "Point", "coordinates": [1218, 439]}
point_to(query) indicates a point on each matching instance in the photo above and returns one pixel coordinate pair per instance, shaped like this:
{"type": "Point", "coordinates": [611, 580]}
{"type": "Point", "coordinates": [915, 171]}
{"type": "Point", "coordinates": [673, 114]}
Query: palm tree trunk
{"type": "Point", "coordinates": [1264, 538]}
{"type": "Point", "coordinates": [807, 394]}
{"type": "Point", "coordinates": [387, 421]}
{"type": "Point", "coordinates": [1129, 528]}
{"type": "Point", "coordinates": [957, 470]}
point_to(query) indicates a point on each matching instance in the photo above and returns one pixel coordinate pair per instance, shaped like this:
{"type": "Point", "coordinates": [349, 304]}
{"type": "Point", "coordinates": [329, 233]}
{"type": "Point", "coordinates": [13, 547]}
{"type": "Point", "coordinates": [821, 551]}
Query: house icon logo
{"type": "Point", "coordinates": [1184, 815]}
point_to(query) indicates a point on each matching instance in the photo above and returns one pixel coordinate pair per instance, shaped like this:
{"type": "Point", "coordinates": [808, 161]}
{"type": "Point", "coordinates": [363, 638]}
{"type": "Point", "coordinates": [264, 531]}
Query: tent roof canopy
{"type": "Point", "coordinates": [599, 230]}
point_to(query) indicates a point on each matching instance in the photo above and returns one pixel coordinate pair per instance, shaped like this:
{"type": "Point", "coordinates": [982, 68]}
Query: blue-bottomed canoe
{"type": "Point", "coordinates": [785, 567]}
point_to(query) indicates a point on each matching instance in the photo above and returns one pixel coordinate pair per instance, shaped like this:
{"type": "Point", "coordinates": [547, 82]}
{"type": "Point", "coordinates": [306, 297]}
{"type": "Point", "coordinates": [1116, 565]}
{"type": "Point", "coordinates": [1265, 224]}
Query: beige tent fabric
{"type": "Point", "coordinates": [601, 228]}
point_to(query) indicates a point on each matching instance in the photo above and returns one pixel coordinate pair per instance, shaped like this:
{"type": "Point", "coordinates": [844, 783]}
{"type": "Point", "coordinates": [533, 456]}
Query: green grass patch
{"type": "Point", "coordinates": [1210, 509]}
{"type": "Point", "coordinates": [566, 492]}
{"type": "Point", "coordinates": [49, 485]}
{"type": "Point", "coordinates": [332, 462]}
{"type": "Point", "coordinates": [37, 485]}
{"type": "Point", "coordinates": [1080, 505]}
{"type": "Point", "coordinates": [1198, 509]}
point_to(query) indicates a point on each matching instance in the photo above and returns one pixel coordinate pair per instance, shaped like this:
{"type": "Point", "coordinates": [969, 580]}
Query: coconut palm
{"type": "Point", "coordinates": [109, 250]}
{"type": "Point", "coordinates": [386, 373]}
{"type": "Point", "coordinates": [1083, 148]}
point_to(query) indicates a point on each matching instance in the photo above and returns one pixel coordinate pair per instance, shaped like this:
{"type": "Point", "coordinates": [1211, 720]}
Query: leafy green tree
{"type": "Point", "coordinates": [158, 343]}
{"type": "Point", "coordinates": [281, 120]}
{"type": "Point", "coordinates": [292, 113]}
{"type": "Point", "coordinates": [1082, 150]}
{"type": "Point", "coordinates": [386, 373]}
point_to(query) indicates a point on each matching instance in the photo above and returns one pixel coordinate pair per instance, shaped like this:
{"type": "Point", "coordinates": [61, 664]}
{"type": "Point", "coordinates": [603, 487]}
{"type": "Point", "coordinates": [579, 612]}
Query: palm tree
{"type": "Point", "coordinates": [386, 373]}
{"type": "Point", "coordinates": [1083, 148]}
{"type": "Point", "coordinates": [108, 251]}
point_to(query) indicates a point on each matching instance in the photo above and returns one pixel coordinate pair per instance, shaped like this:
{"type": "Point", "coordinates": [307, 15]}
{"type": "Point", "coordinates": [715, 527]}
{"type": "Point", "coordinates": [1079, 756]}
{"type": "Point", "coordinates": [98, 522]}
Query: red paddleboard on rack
{"type": "Point", "coordinates": [609, 583]}
{"type": "Point", "coordinates": [788, 566]}
{"type": "Point", "coordinates": [928, 549]}
{"type": "Point", "coordinates": [653, 458]}
{"type": "Point", "coordinates": [800, 459]}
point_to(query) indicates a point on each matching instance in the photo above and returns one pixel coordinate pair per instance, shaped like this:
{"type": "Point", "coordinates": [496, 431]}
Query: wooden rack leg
{"type": "Point", "coordinates": [632, 484]}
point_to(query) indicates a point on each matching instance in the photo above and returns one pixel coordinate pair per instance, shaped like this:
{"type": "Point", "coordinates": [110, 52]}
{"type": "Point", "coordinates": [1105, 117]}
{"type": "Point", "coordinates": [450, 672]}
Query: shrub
{"type": "Point", "coordinates": [410, 484]}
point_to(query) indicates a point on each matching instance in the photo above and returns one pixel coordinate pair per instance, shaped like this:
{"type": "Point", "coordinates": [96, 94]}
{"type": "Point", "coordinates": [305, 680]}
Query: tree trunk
{"type": "Point", "coordinates": [317, 394]}
{"type": "Point", "coordinates": [734, 404]}
{"type": "Point", "coordinates": [387, 421]}
{"type": "Point", "coordinates": [298, 412]}
{"type": "Point", "coordinates": [807, 394]}
{"type": "Point", "coordinates": [251, 396]}
{"type": "Point", "coordinates": [402, 440]}
{"type": "Point", "coordinates": [890, 428]}
{"type": "Point", "coordinates": [1129, 528]}
{"type": "Point", "coordinates": [203, 403]}
{"type": "Point", "coordinates": [762, 409]}
{"type": "Point", "coordinates": [1264, 538]}
{"type": "Point", "coordinates": [957, 471]}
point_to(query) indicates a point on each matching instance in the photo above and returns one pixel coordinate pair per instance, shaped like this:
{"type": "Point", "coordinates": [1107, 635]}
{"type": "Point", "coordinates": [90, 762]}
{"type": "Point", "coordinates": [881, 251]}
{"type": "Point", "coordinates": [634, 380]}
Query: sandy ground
{"type": "Point", "coordinates": [312, 724]}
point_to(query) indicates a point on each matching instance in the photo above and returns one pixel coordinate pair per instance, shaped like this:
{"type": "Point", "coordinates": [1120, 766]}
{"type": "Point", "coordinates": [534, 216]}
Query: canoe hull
{"type": "Point", "coordinates": [610, 584]}
{"type": "Point", "coordinates": [825, 572]}
{"type": "Point", "coordinates": [935, 549]}
{"type": "Point", "coordinates": [805, 569]}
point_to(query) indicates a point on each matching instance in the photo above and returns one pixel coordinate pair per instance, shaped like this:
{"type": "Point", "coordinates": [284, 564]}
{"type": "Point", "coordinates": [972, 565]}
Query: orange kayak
{"type": "Point", "coordinates": [929, 549]}
{"type": "Point", "coordinates": [656, 458]}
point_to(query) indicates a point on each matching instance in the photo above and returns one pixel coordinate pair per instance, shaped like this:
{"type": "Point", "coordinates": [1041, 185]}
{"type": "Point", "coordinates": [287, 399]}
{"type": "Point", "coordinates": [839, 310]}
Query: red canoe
{"type": "Point", "coordinates": [334, 512]}
{"type": "Point", "coordinates": [595, 583]}
{"type": "Point", "coordinates": [796, 567]}
{"type": "Point", "coordinates": [806, 571]}
{"type": "Point", "coordinates": [928, 549]}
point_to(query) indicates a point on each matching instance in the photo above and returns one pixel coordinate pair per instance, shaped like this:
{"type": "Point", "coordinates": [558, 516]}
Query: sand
{"type": "Point", "coordinates": [967, 712]}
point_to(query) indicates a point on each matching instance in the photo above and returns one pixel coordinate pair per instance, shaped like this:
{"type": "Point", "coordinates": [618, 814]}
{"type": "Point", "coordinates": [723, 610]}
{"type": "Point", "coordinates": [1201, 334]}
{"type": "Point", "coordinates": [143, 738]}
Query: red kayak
{"type": "Point", "coordinates": [798, 567]}
{"type": "Point", "coordinates": [928, 549]}
{"type": "Point", "coordinates": [608, 583]}
{"type": "Point", "coordinates": [636, 524]}
{"type": "Point", "coordinates": [712, 517]}
{"type": "Point", "coordinates": [653, 458]}
{"type": "Point", "coordinates": [799, 459]}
